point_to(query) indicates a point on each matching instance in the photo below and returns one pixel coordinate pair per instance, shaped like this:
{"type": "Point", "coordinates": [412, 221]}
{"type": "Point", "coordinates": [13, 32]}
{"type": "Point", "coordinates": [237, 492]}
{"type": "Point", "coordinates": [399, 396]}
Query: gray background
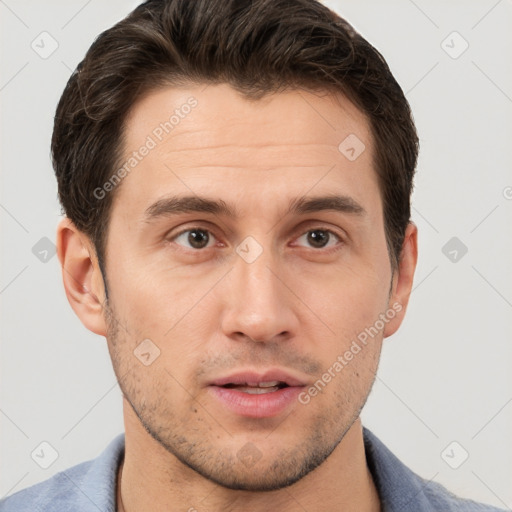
{"type": "Point", "coordinates": [444, 377]}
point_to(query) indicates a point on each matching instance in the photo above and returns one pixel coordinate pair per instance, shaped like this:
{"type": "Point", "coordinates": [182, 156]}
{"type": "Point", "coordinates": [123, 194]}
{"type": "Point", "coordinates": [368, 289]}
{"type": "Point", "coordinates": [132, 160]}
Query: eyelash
{"type": "Point", "coordinates": [198, 228]}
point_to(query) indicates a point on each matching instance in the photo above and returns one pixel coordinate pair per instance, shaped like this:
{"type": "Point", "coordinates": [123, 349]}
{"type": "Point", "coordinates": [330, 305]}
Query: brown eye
{"type": "Point", "coordinates": [319, 238]}
{"type": "Point", "coordinates": [194, 238]}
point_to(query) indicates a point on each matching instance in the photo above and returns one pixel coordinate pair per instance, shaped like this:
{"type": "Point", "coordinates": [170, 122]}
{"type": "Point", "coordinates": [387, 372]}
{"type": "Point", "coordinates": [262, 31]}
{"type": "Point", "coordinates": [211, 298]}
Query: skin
{"type": "Point", "coordinates": [297, 307]}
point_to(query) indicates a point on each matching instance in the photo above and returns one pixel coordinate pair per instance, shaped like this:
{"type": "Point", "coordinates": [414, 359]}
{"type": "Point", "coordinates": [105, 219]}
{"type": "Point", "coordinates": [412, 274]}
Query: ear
{"type": "Point", "coordinates": [81, 276]}
{"type": "Point", "coordinates": [402, 280]}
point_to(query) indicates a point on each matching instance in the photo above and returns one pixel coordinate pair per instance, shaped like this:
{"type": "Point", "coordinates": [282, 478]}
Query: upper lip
{"type": "Point", "coordinates": [256, 377]}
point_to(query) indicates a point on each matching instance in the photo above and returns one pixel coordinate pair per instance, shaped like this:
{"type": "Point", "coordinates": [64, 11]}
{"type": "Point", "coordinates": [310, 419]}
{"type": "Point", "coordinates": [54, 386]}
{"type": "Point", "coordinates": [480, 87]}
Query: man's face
{"type": "Point", "coordinates": [251, 299]}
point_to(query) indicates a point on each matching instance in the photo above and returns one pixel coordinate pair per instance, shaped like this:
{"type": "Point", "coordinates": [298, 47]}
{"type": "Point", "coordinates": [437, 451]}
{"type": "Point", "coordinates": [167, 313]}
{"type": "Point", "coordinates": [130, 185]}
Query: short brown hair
{"type": "Point", "coordinates": [258, 47]}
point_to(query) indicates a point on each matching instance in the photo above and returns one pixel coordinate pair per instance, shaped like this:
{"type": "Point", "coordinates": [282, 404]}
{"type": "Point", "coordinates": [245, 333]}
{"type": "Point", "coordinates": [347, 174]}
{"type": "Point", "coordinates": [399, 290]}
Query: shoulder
{"type": "Point", "coordinates": [401, 489]}
{"type": "Point", "coordinates": [89, 486]}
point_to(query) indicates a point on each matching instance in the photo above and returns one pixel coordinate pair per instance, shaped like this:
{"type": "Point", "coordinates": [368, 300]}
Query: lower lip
{"type": "Point", "coordinates": [262, 405]}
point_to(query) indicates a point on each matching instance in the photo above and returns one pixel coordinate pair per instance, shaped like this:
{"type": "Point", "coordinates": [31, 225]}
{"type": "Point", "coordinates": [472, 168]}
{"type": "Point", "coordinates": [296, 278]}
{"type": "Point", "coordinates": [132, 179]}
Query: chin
{"type": "Point", "coordinates": [265, 480]}
{"type": "Point", "coordinates": [248, 471]}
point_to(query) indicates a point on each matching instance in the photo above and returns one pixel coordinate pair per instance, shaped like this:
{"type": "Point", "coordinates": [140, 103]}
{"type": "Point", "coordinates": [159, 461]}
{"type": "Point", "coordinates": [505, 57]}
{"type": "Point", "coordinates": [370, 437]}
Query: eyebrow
{"type": "Point", "coordinates": [174, 205]}
{"type": "Point", "coordinates": [343, 204]}
{"type": "Point", "coordinates": [168, 206]}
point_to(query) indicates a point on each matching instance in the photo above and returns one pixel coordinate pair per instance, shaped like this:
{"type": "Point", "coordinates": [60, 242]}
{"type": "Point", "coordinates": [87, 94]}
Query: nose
{"type": "Point", "coordinates": [259, 306]}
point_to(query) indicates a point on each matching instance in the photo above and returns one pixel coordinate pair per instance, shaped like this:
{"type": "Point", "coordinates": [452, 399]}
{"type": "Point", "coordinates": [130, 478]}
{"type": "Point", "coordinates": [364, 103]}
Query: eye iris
{"type": "Point", "coordinates": [318, 238]}
{"type": "Point", "coordinates": [198, 238]}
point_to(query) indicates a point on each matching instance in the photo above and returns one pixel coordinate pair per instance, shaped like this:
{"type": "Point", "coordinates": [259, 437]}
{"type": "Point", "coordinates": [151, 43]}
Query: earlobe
{"type": "Point", "coordinates": [403, 279]}
{"type": "Point", "coordinates": [81, 276]}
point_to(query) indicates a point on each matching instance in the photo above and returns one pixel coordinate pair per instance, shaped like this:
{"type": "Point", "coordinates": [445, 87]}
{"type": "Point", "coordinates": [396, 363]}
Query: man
{"type": "Point", "coordinates": [236, 179]}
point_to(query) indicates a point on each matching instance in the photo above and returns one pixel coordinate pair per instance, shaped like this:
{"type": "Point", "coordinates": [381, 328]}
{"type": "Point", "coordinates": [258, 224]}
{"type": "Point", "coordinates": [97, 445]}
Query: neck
{"type": "Point", "coordinates": [150, 478]}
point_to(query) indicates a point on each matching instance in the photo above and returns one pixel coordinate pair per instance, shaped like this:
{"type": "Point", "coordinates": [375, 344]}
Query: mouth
{"type": "Point", "coordinates": [257, 394]}
{"type": "Point", "coordinates": [257, 388]}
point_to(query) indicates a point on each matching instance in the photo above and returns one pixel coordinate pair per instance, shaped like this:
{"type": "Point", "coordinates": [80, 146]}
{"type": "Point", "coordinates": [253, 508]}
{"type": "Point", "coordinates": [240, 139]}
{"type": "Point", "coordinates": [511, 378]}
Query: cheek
{"type": "Point", "coordinates": [178, 314]}
{"type": "Point", "coordinates": [348, 301]}
{"type": "Point", "coordinates": [156, 299]}
{"type": "Point", "coordinates": [351, 304]}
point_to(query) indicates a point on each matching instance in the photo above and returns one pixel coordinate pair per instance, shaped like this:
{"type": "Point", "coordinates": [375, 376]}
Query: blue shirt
{"type": "Point", "coordinates": [91, 486]}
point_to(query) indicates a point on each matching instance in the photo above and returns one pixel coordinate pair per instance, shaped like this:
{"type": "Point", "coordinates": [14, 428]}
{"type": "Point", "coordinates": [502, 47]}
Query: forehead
{"type": "Point", "coordinates": [201, 115]}
{"type": "Point", "coordinates": [197, 138]}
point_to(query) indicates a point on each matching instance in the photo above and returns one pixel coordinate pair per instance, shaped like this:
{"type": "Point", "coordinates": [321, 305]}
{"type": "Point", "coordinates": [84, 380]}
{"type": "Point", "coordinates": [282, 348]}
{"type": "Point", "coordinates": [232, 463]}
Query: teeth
{"type": "Point", "coordinates": [270, 384]}
{"type": "Point", "coordinates": [257, 390]}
